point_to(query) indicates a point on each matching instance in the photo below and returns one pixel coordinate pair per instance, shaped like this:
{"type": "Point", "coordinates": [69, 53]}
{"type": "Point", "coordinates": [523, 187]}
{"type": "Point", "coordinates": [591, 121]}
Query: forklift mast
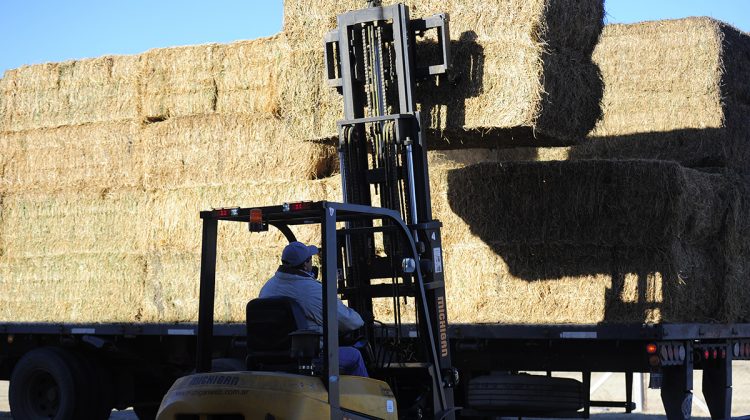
{"type": "Point", "coordinates": [371, 61]}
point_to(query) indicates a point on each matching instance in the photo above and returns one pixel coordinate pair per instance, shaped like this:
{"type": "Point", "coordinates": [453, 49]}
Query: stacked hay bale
{"type": "Point", "coordinates": [674, 90]}
{"type": "Point", "coordinates": [584, 242]}
{"type": "Point", "coordinates": [106, 162]}
{"type": "Point", "coordinates": [520, 67]}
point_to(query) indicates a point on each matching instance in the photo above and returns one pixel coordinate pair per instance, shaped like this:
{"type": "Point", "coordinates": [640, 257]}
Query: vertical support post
{"type": "Point", "coordinates": [677, 390]}
{"type": "Point", "coordinates": [628, 392]}
{"type": "Point", "coordinates": [330, 314]}
{"type": "Point", "coordinates": [586, 389]}
{"type": "Point", "coordinates": [207, 292]}
{"type": "Point", "coordinates": [717, 386]}
{"type": "Point", "coordinates": [639, 394]}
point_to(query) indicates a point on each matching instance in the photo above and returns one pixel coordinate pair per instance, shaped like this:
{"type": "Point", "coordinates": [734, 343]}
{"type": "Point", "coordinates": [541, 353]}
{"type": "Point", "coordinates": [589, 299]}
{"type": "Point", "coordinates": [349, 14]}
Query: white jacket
{"type": "Point", "coordinates": [308, 292]}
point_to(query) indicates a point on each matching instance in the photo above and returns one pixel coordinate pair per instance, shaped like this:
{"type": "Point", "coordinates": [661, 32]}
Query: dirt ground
{"type": "Point", "coordinates": [612, 388]}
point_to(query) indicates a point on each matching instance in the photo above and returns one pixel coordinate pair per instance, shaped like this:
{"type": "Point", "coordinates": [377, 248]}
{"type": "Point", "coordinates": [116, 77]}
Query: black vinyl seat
{"type": "Point", "coordinates": [277, 335]}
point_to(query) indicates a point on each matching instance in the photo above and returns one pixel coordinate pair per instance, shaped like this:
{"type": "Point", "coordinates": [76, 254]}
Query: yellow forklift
{"type": "Point", "coordinates": [391, 251]}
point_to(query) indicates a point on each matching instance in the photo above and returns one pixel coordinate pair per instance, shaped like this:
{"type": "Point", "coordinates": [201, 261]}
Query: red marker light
{"type": "Point", "coordinates": [716, 354]}
{"type": "Point", "coordinates": [706, 354]}
{"type": "Point", "coordinates": [303, 205]}
{"type": "Point", "coordinates": [651, 348]}
{"type": "Point", "coordinates": [723, 353]}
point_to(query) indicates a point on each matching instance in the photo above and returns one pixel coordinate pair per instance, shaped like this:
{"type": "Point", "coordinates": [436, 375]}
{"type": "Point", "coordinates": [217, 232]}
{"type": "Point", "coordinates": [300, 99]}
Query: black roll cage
{"type": "Point", "coordinates": [327, 214]}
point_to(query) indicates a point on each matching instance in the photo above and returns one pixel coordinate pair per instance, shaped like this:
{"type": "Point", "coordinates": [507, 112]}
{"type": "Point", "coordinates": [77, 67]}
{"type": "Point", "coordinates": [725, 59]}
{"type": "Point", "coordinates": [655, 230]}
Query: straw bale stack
{"type": "Point", "coordinates": [626, 203]}
{"type": "Point", "coordinates": [581, 284]}
{"type": "Point", "coordinates": [245, 260]}
{"type": "Point", "coordinates": [73, 92]}
{"type": "Point", "coordinates": [133, 255]}
{"type": "Point", "coordinates": [736, 242]}
{"type": "Point", "coordinates": [89, 157]}
{"type": "Point", "coordinates": [81, 287]}
{"type": "Point", "coordinates": [674, 90]}
{"type": "Point", "coordinates": [517, 63]}
{"type": "Point", "coordinates": [242, 77]}
{"type": "Point", "coordinates": [39, 224]}
{"type": "Point", "coordinates": [662, 263]}
{"type": "Point", "coordinates": [217, 149]}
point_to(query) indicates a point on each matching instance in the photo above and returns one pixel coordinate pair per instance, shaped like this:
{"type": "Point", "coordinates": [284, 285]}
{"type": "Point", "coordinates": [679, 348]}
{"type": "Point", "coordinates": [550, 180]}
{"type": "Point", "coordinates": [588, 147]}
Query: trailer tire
{"type": "Point", "coordinates": [49, 382]}
{"type": "Point", "coordinates": [534, 393]}
{"type": "Point", "coordinates": [99, 385]}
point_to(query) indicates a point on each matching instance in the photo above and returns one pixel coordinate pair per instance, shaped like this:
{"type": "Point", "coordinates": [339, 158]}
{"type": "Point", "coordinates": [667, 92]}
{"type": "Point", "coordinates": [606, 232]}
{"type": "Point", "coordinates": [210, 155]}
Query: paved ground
{"type": "Point", "coordinates": [613, 388]}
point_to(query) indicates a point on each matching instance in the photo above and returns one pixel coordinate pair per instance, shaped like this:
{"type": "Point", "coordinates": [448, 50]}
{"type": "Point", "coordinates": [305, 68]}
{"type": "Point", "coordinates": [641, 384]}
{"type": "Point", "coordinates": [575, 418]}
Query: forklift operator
{"type": "Point", "coordinates": [296, 278]}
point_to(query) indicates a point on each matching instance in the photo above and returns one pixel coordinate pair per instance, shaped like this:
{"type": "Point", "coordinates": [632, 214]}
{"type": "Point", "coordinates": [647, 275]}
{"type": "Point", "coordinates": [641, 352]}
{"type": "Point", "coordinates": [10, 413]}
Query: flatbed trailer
{"type": "Point", "coordinates": [136, 363]}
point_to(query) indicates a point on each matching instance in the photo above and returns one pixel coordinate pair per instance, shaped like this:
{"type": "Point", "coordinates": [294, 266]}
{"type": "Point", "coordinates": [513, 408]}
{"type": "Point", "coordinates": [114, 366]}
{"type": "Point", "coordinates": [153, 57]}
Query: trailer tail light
{"type": "Point", "coordinates": [651, 348]}
{"type": "Point", "coordinates": [706, 354]}
{"type": "Point", "coordinates": [723, 353]}
{"type": "Point", "coordinates": [227, 211]}
{"type": "Point", "coordinates": [297, 206]}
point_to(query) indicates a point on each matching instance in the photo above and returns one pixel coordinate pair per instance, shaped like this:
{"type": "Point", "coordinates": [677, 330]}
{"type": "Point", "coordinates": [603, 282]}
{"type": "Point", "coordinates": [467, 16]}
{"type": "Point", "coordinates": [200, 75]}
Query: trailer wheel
{"type": "Point", "coordinates": [48, 383]}
{"type": "Point", "coordinates": [525, 393]}
{"type": "Point", "coordinates": [99, 386]}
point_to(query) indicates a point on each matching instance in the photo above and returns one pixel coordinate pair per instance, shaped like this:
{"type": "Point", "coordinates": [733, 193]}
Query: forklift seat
{"type": "Point", "coordinates": [274, 326]}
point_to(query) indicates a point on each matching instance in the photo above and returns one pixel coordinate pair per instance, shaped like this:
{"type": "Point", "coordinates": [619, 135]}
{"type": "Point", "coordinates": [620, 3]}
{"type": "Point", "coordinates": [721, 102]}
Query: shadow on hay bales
{"type": "Point", "coordinates": [648, 270]}
{"type": "Point", "coordinates": [448, 92]}
{"type": "Point", "coordinates": [727, 147]}
{"type": "Point", "coordinates": [569, 106]}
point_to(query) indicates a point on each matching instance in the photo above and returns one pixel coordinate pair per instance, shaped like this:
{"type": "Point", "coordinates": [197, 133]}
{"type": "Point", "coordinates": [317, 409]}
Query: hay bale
{"type": "Point", "coordinates": [78, 252]}
{"type": "Point", "coordinates": [735, 292]}
{"type": "Point", "coordinates": [38, 224]}
{"type": "Point", "coordinates": [245, 260]}
{"type": "Point", "coordinates": [567, 260]}
{"type": "Point", "coordinates": [93, 156]}
{"type": "Point", "coordinates": [79, 287]}
{"type": "Point", "coordinates": [172, 285]}
{"type": "Point", "coordinates": [248, 80]}
{"type": "Point", "coordinates": [629, 203]}
{"type": "Point", "coordinates": [73, 92]}
{"type": "Point", "coordinates": [516, 64]}
{"type": "Point", "coordinates": [581, 284]}
{"type": "Point", "coordinates": [228, 148]}
{"type": "Point", "coordinates": [673, 90]}
{"type": "Point", "coordinates": [179, 81]}
{"type": "Point", "coordinates": [176, 226]}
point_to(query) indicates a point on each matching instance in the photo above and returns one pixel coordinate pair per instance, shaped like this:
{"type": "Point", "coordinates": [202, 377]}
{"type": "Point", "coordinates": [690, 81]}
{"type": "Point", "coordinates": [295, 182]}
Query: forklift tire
{"type": "Point", "coordinates": [520, 393]}
{"type": "Point", "coordinates": [49, 383]}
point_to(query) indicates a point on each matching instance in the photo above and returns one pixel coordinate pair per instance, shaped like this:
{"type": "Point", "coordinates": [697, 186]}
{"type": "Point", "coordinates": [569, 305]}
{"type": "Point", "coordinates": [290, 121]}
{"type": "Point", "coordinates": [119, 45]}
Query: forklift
{"type": "Point", "coordinates": [389, 250]}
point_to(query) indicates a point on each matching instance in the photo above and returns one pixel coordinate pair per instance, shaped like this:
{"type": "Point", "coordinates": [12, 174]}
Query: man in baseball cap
{"type": "Point", "coordinates": [296, 278]}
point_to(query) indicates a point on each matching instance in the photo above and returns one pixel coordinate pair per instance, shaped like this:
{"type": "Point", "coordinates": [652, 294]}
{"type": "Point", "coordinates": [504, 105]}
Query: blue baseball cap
{"type": "Point", "coordinates": [296, 253]}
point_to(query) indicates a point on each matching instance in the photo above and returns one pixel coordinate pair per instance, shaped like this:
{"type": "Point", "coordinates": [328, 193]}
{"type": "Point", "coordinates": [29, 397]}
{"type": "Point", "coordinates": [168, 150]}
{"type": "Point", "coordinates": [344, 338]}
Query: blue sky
{"type": "Point", "coordinates": [38, 31]}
